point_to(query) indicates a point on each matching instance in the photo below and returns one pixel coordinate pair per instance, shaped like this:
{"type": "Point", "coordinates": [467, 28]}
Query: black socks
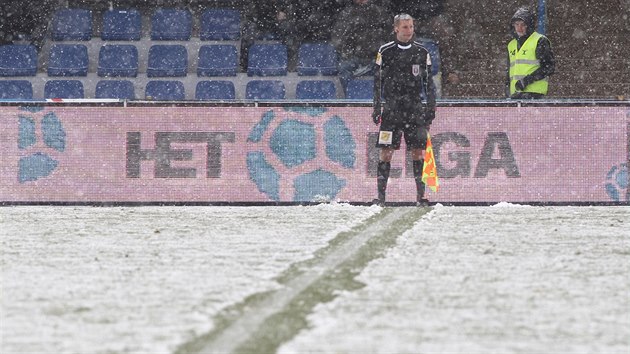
{"type": "Point", "coordinates": [417, 175]}
{"type": "Point", "coordinates": [382, 175]}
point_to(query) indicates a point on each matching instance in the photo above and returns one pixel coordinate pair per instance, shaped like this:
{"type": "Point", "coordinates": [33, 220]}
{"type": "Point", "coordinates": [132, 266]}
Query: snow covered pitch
{"type": "Point", "coordinates": [331, 278]}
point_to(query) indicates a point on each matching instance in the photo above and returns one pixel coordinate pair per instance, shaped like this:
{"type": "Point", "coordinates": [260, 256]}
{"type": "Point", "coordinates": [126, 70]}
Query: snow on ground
{"type": "Point", "coordinates": [501, 279]}
{"type": "Point", "coordinates": [146, 279]}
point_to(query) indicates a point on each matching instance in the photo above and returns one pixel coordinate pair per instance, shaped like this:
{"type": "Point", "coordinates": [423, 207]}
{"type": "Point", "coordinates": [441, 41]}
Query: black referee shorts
{"type": "Point", "coordinates": [396, 124]}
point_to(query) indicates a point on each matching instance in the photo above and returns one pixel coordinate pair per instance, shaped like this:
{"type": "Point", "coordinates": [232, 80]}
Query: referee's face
{"type": "Point", "coordinates": [404, 30]}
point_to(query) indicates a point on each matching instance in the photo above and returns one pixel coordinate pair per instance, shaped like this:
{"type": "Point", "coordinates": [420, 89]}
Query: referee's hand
{"type": "Point", "coordinates": [429, 117]}
{"type": "Point", "coordinates": [376, 116]}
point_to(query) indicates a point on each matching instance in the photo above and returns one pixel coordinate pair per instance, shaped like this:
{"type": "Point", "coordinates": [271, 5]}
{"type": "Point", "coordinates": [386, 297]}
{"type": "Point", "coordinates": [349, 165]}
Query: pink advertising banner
{"type": "Point", "coordinates": [287, 154]}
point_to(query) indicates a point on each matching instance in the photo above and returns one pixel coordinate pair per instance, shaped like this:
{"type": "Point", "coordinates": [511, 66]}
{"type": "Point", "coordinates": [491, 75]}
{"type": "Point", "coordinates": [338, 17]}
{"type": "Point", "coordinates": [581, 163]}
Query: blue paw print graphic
{"type": "Point", "coordinates": [38, 164]}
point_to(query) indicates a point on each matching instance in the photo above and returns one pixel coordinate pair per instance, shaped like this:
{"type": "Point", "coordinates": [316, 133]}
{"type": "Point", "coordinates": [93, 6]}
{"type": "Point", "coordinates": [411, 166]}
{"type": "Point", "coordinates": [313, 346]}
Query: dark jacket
{"type": "Point", "coordinates": [314, 19]}
{"type": "Point", "coordinates": [403, 77]}
{"type": "Point", "coordinates": [543, 49]}
{"type": "Point", "coordinates": [359, 30]}
{"type": "Point", "coordinates": [420, 10]}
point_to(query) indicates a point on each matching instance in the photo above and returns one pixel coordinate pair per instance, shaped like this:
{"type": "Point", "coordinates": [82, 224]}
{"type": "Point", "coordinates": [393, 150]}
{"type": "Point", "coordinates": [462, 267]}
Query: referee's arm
{"type": "Point", "coordinates": [377, 83]}
{"type": "Point", "coordinates": [430, 91]}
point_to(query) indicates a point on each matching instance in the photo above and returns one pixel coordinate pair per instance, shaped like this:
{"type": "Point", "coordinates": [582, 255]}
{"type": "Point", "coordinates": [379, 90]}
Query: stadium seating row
{"type": "Point", "coordinates": [168, 60]}
{"type": "Point", "coordinates": [173, 90]}
{"type": "Point", "coordinates": [69, 56]}
{"type": "Point", "coordinates": [172, 24]}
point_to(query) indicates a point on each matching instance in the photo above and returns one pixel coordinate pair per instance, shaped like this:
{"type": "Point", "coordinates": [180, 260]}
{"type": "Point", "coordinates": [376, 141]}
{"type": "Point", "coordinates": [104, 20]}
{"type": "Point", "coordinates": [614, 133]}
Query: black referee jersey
{"type": "Point", "coordinates": [402, 75]}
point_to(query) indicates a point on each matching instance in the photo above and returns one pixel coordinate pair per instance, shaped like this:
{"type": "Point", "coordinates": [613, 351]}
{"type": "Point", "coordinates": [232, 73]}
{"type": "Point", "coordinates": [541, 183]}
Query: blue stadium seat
{"type": "Point", "coordinates": [159, 90]}
{"type": "Point", "coordinates": [118, 60]}
{"type": "Point", "coordinates": [265, 90]}
{"type": "Point", "coordinates": [360, 89]}
{"type": "Point", "coordinates": [121, 25]}
{"type": "Point", "coordinates": [167, 60]}
{"type": "Point", "coordinates": [267, 60]}
{"type": "Point", "coordinates": [18, 60]}
{"type": "Point", "coordinates": [121, 89]}
{"type": "Point", "coordinates": [220, 24]}
{"type": "Point", "coordinates": [215, 90]}
{"type": "Point", "coordinates": [16, 90]}
{"type": "Point", "coordinates": [63, 89]}
{"type": "Point", "coordinates": [315, 90]}
{"type": "Point", "coordinates": [317, 59]}
{"type": "Point", "coordinates": [171, 25]}
{"type": "Point", "coordinates": [72, 25]}
{"type": "Point", "coordinates": [68, 60]}
{"type": "Point", "coordinates": [217, 60]}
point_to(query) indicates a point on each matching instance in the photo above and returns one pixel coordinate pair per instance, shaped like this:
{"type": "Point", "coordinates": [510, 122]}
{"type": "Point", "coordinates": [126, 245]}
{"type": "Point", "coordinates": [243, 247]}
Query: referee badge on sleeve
{"type": "Point", "coordinates": [415, 69]}
{"type": "Point", "coordinates": [384, 137]}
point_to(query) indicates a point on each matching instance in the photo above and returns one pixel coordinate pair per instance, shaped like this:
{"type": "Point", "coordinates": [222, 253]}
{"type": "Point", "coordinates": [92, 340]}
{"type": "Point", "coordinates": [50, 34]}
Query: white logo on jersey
{"type": "Point", "coordinates": [415, 69]}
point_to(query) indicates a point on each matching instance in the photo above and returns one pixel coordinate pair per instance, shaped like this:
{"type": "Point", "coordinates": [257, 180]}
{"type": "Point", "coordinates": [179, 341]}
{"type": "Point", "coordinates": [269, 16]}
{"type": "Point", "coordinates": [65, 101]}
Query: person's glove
{"type": "Point", "coordinates": [429, 117]}
{"type": "Point", "coordinates": [376, 116]}
{"type": "Point", "coordinates": [426, 118]}
{"type": "Point", "coordinates": [522, 83]}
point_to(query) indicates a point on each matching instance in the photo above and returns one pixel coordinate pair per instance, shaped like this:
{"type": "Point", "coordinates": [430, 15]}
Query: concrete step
{"type": "Point", "coordinates": [473, 91]}
{"type": "Point", "coordinates": [606, 90]}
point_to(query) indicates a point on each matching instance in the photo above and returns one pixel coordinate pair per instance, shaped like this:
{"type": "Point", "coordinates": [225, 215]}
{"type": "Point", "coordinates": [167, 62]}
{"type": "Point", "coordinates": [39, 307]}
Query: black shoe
{"type": "Point", "coordinates": [422, 202]}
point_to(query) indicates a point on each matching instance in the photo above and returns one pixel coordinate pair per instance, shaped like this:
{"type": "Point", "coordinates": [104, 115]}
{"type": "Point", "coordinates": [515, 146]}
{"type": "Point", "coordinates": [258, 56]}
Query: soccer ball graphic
{"type": "Point", "coordinates": [617, 182]}
{"type": "Point", "coordinates": [297, 153]}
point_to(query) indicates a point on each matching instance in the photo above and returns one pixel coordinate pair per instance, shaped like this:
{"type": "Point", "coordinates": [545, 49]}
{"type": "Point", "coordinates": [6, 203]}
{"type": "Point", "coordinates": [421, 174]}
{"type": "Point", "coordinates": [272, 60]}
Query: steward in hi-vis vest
{"type": "Point", "coordinates": [530, 59]}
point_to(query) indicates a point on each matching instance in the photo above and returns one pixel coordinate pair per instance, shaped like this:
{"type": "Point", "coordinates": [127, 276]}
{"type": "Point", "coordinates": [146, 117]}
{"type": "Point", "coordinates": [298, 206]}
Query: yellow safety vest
{"type": "Point", "coordinates": [523, 62]}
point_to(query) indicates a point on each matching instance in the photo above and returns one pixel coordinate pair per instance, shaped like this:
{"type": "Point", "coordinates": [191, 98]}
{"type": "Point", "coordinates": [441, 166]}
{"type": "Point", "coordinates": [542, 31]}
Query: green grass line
{"type": "Point", "coordinates": [284, 323]}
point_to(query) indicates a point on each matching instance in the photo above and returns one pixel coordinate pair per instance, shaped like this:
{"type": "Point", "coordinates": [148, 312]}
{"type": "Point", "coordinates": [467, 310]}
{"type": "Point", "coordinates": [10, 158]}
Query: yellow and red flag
{"type": "Point", "coordinates": [429, 170]}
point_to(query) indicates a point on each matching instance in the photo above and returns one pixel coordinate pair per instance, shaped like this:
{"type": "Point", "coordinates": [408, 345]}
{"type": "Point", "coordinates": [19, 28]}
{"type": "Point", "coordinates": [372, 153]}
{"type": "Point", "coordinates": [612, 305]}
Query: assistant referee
{"type": "Point", "coordinates": [401, 78]}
